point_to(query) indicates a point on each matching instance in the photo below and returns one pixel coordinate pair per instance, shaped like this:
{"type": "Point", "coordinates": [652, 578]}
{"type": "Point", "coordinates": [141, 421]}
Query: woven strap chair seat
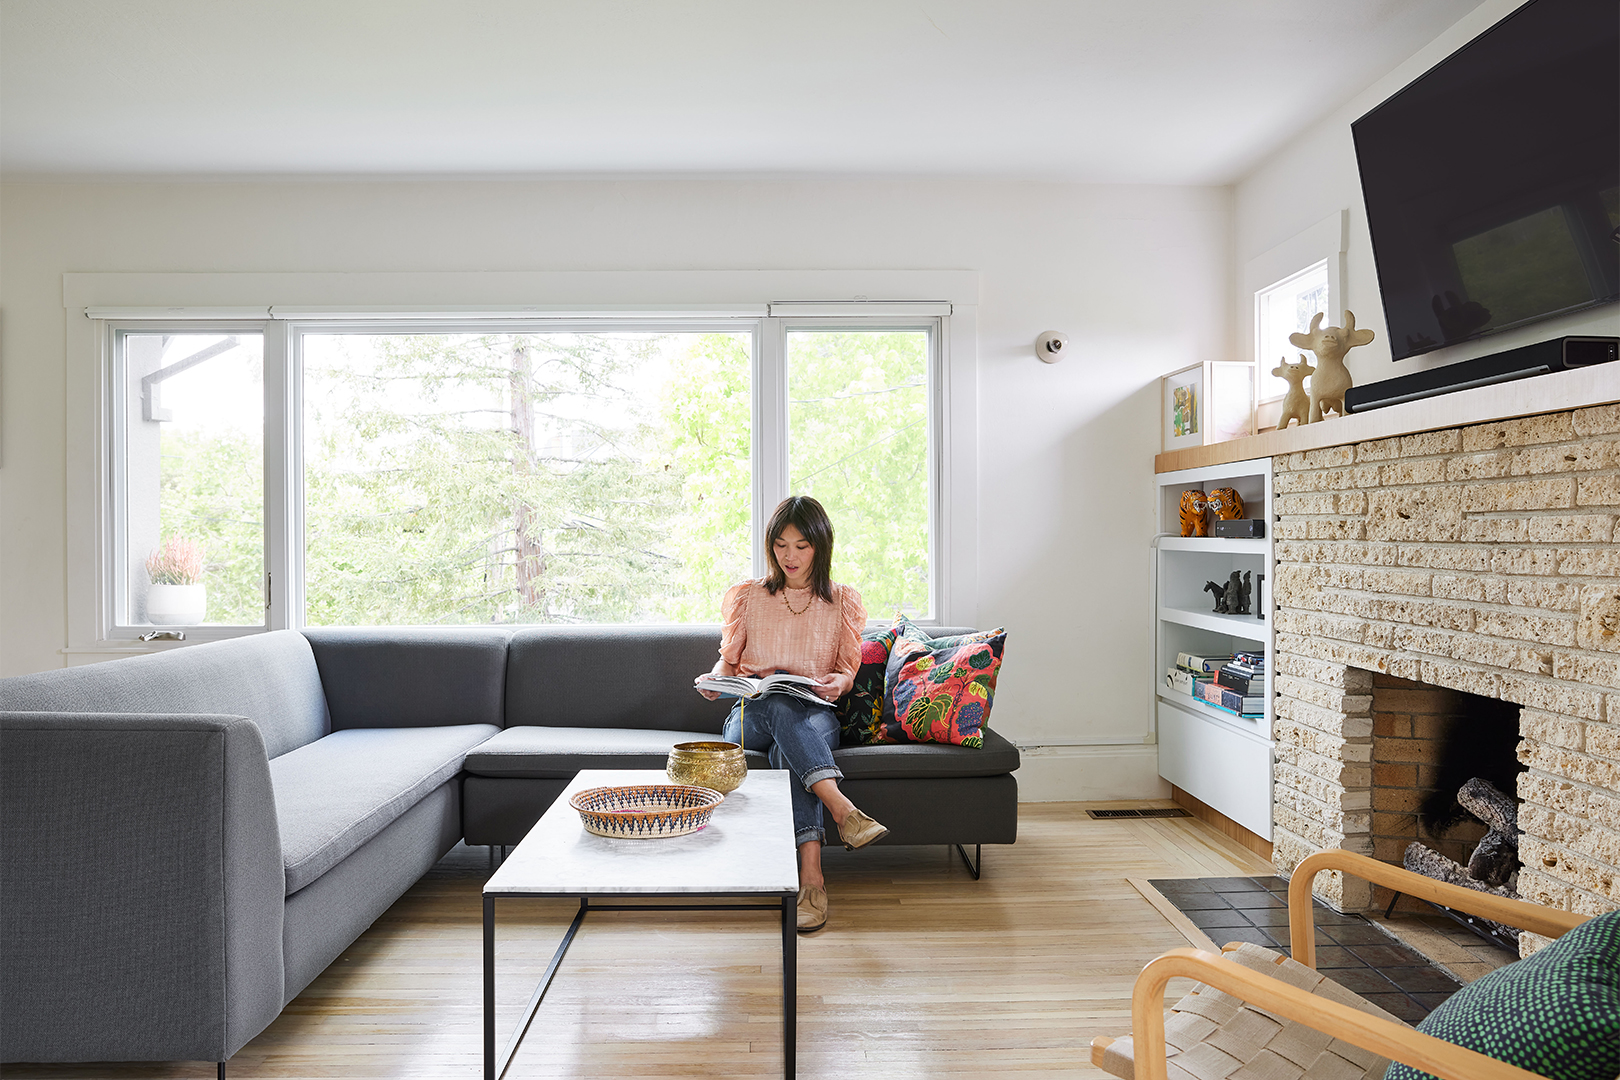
{"type": "Point", "coordinates": [1211, 1035]}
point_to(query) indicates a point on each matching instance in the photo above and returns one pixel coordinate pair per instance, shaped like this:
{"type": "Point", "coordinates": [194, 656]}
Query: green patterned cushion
{"type": "Point", "coordinates": [1556, 1013]}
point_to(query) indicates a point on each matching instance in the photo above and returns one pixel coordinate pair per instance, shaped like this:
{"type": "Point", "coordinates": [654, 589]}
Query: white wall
{"type": "Point", "coordinates": [1315, 176]}
{"type": "Point", "coordinates": [1136, 275]}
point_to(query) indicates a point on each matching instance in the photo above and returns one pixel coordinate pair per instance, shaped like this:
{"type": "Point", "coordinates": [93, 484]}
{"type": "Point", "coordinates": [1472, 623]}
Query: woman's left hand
{"type": "Point", "coordinates": [828, 688]}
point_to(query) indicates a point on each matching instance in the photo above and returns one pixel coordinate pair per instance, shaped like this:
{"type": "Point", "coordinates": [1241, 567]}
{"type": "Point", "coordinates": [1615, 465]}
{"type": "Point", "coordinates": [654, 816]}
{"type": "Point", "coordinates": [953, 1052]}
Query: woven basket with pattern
{"type": "Point", "coordinates": [645, 811]}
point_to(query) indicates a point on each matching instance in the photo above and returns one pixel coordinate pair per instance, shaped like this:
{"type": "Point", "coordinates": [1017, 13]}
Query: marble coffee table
{"type": "Point", "coordinates": [745, 859]}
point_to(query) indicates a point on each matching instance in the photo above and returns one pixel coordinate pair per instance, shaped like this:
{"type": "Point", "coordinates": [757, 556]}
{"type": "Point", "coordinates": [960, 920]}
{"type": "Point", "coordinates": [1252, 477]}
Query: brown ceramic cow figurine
{"type": "Point", "coordinates": [1330, 344]}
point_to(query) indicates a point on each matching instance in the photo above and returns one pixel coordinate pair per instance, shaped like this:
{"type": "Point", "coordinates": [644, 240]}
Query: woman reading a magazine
{"type": "Point", "coordinates": [797, 620]}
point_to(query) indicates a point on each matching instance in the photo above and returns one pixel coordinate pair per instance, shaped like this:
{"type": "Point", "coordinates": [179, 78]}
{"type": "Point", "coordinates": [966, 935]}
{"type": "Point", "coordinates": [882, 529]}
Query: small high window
{"type": "Point", "coordinates": [1283, 309]}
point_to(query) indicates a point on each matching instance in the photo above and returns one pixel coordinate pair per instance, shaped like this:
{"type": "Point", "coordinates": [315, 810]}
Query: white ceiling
{"type": "Point", "coordinates": [1139, 91]}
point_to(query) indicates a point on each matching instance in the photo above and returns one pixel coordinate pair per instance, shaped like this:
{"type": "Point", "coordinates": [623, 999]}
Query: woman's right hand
{"type": "Point", "coordinates": [710, 694]}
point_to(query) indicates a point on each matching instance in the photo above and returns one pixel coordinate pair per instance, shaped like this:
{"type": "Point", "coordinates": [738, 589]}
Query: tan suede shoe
{"type": "Point", "coordinates": [858, 830]}
{"type": "Point", "coordinates": [812, 908]}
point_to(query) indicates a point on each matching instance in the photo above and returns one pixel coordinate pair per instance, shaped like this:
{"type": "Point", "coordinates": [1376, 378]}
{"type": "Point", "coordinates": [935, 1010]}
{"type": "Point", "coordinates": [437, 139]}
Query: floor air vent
{"type": "Point", "coordinates": [1151, 812]}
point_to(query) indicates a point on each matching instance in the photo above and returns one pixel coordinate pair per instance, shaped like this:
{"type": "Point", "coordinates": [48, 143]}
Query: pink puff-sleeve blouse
{"type": "Point", "coordinates": [761, 634]}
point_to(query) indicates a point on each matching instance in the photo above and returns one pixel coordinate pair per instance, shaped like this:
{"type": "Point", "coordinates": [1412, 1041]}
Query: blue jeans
{"type": "Point", "coordinates": [799, 737]}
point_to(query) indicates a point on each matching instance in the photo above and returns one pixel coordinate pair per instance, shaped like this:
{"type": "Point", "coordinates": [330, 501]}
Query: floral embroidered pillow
{"type": "Point", "coordinates": [941, 692]}
{"type": "Point", "coordinates": [910, 631]}
{"type": "Point", "coordinates": [860, 712]}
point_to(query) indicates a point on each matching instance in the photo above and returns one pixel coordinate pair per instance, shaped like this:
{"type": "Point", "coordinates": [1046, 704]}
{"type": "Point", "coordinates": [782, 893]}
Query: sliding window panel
{"type": "Point", "coordinates": [860, 441]}
{"type": "Point", "coordinates": [502, 476]}
{"type": "Point", "coordinates": [188, 479]}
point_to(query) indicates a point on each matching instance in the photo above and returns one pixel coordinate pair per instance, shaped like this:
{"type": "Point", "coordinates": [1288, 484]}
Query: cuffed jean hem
{"type": "Point", "coordinates": [805, 836]}
{"type": "Point", "coordinates": [816, 776]}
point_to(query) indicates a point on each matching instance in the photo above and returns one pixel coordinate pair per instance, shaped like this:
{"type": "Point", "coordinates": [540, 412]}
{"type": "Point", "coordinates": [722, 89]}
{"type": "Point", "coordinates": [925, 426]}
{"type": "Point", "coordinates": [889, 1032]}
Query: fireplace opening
{"type": "Point", "coordinates": [1444, 787]}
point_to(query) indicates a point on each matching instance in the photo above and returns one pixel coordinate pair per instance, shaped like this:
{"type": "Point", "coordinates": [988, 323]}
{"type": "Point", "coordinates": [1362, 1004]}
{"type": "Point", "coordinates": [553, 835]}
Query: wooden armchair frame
{"type": "Point", "coordinates": [1395, 1041]}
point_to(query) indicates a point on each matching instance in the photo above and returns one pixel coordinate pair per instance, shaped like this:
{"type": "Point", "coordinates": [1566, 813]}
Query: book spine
{"type": "Point", "coordinates": [1202, 664]}
{"type": "Point", "coordinates": [1233, 712]}
{"type": "Point", "coordinates": [1226, 698]}
{"type": "Point", "coordinates": [1250, 685]}
{"type": "Point", "coordinates": [1184, 682]}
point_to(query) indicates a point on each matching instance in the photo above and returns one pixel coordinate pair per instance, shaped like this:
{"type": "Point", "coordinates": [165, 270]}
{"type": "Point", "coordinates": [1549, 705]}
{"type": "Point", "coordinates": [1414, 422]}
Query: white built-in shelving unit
{"type": "Point", "coordinates": [1219, 758]}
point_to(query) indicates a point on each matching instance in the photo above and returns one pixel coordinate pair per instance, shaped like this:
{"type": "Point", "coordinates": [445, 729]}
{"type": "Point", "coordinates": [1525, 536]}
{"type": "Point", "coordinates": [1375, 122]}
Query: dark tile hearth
{"type": "Point", "coordinates": [1349, 949]}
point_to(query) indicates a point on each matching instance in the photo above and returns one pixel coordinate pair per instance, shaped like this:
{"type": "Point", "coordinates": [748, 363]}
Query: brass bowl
{"type": "Point", "coordinates": [718, 766]}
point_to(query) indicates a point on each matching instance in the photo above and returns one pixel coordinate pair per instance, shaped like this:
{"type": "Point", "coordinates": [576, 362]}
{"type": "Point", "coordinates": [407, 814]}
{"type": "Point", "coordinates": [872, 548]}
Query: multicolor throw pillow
{"type": "Point", "coordinates": [909, 630]}
{"type": "Point", "coordinates": [940, 690]}
{"type": "Point", "coordinates": [860, 712]}
{"type": "Point", "coordinates": [1556, 1012]}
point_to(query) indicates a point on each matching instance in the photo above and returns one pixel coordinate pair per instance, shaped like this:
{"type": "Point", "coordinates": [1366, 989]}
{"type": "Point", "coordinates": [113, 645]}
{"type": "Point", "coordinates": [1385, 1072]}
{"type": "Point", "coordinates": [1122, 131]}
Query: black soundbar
{"type": "Point", "coordinates": [1559, 354]}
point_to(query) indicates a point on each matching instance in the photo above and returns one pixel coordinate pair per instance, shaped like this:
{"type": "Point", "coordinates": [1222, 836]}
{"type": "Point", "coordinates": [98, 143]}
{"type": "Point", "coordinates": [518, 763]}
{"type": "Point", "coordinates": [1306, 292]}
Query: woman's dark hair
{"type": "Point", "coordinates": [806, 515]}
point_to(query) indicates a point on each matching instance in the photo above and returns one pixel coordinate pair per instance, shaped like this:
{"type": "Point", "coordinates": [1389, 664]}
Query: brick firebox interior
{"type": "Point", "coordinates": [1480, 559]}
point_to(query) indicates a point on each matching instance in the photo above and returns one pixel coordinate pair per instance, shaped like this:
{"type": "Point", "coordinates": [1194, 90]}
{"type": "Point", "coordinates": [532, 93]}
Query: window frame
{"type": "Point", "coordinates": [1262, 300]}
{"type": "Point", "coordinates": [96, 301]}
{"type": "Point", "coordinates": [113, 587]}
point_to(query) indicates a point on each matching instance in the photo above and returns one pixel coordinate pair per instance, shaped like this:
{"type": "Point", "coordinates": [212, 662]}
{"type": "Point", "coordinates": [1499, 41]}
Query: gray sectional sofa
{"type": "Point", "coordinates": [188, 839]}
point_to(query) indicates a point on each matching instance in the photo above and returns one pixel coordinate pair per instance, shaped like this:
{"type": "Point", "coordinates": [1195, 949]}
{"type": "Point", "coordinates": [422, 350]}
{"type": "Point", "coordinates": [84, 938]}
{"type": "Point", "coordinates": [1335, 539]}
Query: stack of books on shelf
{"type": "Point", "coordinates": [1192, 671]}
{"type": "Point", "coordinates": [1238, 685]}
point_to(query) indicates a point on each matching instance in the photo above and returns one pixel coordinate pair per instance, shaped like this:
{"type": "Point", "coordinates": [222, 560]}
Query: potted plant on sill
{"type": "Point", "coordinates": [177, 596]}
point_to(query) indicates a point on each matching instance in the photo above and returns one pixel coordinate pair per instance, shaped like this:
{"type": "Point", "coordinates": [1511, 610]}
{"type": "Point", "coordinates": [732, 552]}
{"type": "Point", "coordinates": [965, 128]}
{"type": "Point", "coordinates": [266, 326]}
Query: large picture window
{"type": "Point", "coordinates": [523, 477]}
{"type": "Point", "coordinates": [505, 472]}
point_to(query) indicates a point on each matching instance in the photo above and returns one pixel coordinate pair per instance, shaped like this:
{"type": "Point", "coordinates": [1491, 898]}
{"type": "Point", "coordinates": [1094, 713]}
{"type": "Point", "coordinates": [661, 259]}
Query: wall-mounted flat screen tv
{"type": "Point", "coordinates": [1492, 182]}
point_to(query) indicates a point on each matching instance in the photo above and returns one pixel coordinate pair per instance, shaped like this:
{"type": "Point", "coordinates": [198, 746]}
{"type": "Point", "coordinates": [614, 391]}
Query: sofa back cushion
{"type": "Point", "coordinates": [612, 676]}
{"type": "Point", "coordinates": [269, 678]}
{"type": "Point", "coordinates": [394, 677]}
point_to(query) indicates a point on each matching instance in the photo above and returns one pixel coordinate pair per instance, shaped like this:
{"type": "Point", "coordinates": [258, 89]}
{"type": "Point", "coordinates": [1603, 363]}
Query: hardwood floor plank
{"type": "Point", "coordinates": [922, 971]}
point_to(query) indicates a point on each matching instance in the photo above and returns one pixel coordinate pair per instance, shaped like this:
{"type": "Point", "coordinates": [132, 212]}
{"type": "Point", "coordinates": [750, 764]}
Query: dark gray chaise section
{"type": "Point", "coordinates": [630, 699]}
{"type": "Point", "coordinates": [587, 697]}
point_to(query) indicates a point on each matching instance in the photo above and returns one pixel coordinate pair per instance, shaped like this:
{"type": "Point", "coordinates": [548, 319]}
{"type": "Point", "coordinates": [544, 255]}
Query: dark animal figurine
{"type": "Point", "coordinates": [1239, 593]}
{"type": "Point", "coordinates": [1220, 596]}
{"type": "Point", "coordinates": [1234, 594]}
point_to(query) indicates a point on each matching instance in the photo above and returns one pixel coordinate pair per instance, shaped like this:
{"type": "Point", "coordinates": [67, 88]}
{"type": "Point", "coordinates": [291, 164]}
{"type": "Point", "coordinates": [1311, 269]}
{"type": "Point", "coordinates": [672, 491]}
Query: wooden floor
{"type": "Point", "coordinates": [921, 971]}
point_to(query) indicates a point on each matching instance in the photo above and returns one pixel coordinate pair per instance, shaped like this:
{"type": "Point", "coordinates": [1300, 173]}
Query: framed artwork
{"type": "Point", "coordinates": [1208, 402]}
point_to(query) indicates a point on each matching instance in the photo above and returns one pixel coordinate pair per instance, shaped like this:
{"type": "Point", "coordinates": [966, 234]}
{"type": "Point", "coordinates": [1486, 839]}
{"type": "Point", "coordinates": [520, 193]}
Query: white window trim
{"type": "Point", "coordinates": [92, 299]}
{"type": "Point", "coordinates": [1326, 241]}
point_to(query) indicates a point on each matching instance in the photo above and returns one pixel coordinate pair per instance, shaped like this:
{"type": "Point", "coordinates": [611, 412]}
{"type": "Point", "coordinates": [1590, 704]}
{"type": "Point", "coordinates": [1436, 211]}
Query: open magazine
{"type": "Point", "coordinates": [745, 687]}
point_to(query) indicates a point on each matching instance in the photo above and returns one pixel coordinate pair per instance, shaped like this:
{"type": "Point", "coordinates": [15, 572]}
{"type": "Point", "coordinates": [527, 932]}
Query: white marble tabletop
{"type": "Point", "coordinates": [747, 847]}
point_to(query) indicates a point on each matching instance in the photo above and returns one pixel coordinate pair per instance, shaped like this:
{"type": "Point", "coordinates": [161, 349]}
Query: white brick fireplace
{"type": "Point", "coordinates": [1481, 559]}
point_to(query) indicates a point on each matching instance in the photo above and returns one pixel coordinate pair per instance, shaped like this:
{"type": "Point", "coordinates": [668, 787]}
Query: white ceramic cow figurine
{"type": "Point", "coordinates": [1296, 404]}
{"type": "Point", "coordinates": [1331, 378]}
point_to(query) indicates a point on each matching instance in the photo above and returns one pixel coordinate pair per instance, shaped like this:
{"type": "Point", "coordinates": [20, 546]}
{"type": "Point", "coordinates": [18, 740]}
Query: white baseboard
{"type": "Point", "coordinates": [1090, 773]}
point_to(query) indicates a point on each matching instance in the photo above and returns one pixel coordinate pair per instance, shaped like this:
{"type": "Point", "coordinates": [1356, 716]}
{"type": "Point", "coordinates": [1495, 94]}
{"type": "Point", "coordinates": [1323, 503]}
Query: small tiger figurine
{"type": "Point", "coordinates": [1193, 504]}
{"type": "Point", "coordinates": [1226, 503]}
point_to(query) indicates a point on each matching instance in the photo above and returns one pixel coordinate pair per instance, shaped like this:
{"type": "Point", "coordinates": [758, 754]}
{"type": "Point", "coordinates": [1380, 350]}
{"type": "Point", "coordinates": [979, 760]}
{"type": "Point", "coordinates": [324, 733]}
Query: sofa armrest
{"type": "Point", "coordinates": [141, 887]}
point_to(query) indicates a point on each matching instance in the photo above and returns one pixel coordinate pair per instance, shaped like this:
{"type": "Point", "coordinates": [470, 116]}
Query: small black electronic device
{"type": "Point", "coordinates": [1240, 528]}
{"type": "Point", "coordinates": [1558, 354]}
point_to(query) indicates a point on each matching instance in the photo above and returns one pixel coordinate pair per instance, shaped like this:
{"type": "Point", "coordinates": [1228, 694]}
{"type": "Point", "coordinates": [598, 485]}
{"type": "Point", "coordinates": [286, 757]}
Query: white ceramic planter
{"type": "Point", "coordinates": [176, 605]}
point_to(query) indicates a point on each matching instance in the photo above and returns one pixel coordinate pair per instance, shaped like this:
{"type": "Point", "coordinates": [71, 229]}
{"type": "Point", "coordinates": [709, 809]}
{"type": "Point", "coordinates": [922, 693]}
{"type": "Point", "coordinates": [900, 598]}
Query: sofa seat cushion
{"type": "Point", "coordinates": [338, 792]}
{"type": "Point", "coordinates": [557, 753]}
{"type": "Point", "coordinates": [928, 760]}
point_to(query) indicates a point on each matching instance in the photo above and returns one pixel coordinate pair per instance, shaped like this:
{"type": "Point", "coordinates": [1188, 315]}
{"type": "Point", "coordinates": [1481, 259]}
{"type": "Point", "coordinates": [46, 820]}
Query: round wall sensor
{"type": "Point", "coordinates": [1050, 345]}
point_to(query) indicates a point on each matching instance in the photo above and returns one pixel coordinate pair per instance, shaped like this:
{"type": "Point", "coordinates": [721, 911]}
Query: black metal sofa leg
{"type": "Point", "coordinates": [975, 864]}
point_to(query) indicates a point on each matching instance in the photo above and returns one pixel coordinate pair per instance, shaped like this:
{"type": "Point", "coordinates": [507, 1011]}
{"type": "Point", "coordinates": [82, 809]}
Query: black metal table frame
{"type": "Point", "coordinates": [495, 1068]}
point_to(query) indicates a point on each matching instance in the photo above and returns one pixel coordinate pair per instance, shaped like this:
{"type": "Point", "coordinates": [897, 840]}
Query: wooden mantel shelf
{"type": "Point", "coordinates": [1555, 392]}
